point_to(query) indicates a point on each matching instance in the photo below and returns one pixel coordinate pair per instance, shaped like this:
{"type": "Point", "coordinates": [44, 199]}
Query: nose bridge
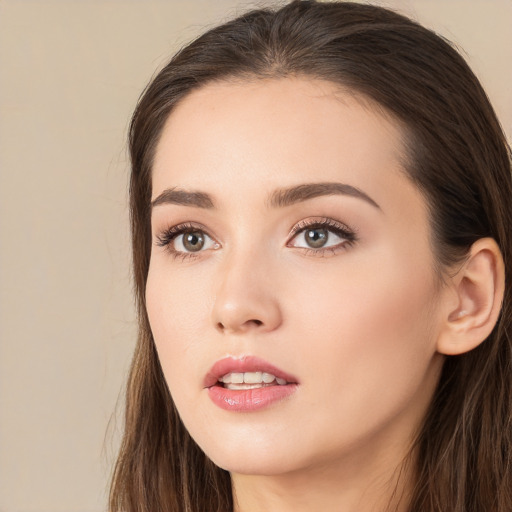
{"type": "Point", "coordinates": [245, 298]}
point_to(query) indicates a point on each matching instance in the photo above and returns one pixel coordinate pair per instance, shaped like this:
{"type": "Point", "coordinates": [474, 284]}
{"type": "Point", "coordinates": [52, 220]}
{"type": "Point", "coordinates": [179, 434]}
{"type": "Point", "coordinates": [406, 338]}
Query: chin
{"type": "Point", "coordinates": [262, 464]}
{"type": "Point", "coordinates": [252, 456]}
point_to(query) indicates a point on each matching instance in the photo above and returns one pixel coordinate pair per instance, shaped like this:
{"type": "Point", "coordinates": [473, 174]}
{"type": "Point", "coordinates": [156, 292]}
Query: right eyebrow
{"type": "Point", "coordinates": [182, 197]}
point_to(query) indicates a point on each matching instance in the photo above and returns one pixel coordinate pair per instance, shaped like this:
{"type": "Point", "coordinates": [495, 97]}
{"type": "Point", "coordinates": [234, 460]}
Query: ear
{"type": "Point", "coordinates": [476, 295]}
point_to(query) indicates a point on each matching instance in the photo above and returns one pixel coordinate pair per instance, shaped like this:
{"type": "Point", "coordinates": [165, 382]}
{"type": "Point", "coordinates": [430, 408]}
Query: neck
{"type": "Point", "coordinates": [363, 484]}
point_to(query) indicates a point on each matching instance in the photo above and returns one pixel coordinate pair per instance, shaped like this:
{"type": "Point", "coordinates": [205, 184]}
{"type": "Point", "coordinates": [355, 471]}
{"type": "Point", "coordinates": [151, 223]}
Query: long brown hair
{"type": "Point", "coordinates": [458, 157]}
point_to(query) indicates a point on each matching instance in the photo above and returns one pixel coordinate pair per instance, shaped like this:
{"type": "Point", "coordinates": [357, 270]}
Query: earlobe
{"type": "Point", "coordinates": [478, 289]}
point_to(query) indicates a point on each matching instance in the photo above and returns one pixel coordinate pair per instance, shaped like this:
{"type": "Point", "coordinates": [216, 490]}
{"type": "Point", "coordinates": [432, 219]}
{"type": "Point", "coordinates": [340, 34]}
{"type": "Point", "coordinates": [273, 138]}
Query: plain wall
{"type": "Point", "coordinates": [70, 75]}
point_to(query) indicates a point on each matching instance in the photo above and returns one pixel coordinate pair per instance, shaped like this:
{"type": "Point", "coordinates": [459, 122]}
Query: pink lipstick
{"type": "Point", "coordinates": [247, 384]}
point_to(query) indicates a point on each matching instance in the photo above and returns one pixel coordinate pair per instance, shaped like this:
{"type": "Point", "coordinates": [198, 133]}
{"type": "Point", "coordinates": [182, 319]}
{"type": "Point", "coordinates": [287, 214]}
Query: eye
{"type": "Point", "coordinates": [325, 234]}
{"type": "Point", "coordinates": [186, 239]}
{"type": "Point", "coordinates": [193, 241]}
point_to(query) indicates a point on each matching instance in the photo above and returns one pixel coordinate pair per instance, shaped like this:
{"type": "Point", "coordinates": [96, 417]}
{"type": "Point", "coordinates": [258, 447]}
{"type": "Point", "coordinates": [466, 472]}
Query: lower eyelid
{"type": "Point", "coordinates": [323, 253]}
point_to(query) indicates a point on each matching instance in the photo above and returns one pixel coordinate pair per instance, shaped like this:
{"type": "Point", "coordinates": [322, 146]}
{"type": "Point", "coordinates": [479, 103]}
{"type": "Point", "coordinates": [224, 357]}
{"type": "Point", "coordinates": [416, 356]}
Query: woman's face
{"type": "Point", "coordinates": [291, 252]}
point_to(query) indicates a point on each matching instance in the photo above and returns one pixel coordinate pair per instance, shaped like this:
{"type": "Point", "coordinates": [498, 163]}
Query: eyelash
{"type": "Point", "coordinates": [348, 235]}
{"type": "Point", "coordinates": [167, 237]}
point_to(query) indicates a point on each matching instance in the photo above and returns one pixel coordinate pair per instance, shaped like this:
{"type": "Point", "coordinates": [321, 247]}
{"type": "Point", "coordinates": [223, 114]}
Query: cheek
{"type": "Point", "coordinates": [177, 301]}
{"type": "Point", "coordinates": [178, 309]}
{"type": "Point", "coordinates": [369, 332]}
{"type": "Point", "coordinates": [366, 294]}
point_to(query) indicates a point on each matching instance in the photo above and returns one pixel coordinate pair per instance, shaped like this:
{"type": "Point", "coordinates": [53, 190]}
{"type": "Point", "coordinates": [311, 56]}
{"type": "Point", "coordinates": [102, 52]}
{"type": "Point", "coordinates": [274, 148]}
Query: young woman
{"type": "Point", "coordinates": [321, 218]}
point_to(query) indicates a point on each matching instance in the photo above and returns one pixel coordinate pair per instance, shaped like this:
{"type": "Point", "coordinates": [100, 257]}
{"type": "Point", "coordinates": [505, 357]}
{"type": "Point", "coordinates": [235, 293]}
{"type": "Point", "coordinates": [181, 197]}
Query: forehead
{"type": "Point", "coordinates": [265, 127]}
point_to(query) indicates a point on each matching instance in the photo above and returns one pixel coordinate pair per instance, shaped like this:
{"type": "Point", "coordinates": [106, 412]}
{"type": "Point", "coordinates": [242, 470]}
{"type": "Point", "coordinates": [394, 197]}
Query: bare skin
{"type": "Point", "coordinates": [355, 320]}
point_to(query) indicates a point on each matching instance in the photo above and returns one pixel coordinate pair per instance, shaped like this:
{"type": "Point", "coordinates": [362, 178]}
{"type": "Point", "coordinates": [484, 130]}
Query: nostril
{"type": "Point", "coordinates": [248, 323]}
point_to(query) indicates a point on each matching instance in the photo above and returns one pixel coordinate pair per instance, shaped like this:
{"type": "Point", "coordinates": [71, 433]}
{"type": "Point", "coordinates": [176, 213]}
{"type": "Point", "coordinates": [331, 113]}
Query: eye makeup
{"type": "Point", "coordinates": [322, 236]}
{"type": "Point", "coordinates": [317, 235]}
{"type": "Point", "coordinates": [194, 240]}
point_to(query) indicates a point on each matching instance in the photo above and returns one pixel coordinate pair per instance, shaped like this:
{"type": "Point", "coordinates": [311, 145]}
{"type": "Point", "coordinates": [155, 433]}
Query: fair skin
{"type": "Point", "coordinates": [336, 289]}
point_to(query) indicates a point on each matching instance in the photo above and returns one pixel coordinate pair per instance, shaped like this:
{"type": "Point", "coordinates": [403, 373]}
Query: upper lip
{"type": "Point", "coordinates": [243, 364]}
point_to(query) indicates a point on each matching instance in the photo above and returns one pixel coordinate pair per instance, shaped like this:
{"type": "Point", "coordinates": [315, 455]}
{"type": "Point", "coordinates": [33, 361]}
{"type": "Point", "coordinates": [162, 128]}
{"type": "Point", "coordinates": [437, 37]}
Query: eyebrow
{"type": "Point", "coordinates": [286, 197]}
{"type": "Point", "coordinates": [182, 197]}
{"type": "Point", "coordinates": [279, 198]}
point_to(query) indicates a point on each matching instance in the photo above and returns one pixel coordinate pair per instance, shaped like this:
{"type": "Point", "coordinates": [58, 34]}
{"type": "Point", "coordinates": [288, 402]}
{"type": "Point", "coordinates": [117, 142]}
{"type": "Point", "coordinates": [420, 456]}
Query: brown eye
{"type": "Point", "coordinates": [316, 238]}
{"type": "Point", "coordinates": [193, 241]}
{"type": "Point", "coordinates": [186, 239]}
{"type": "Point", "coordinates": [190, 241]}
{"type": "Point", "coordinates": [321, 236]}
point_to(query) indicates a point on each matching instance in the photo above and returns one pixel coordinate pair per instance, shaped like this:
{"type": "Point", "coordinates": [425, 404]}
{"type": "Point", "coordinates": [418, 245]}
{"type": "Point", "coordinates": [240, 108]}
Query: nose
{"type": "Point", "coordinates": [246, 298]}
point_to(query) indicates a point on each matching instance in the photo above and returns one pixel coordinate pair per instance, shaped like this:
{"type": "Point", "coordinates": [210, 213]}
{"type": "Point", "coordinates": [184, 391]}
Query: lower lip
{"type": "Point", "coordinates": [248, 400]}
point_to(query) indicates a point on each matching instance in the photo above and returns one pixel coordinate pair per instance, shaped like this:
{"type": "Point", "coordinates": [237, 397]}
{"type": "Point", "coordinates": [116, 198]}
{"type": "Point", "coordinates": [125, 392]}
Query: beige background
{"type": "Point", "coordinates": [70, 74]}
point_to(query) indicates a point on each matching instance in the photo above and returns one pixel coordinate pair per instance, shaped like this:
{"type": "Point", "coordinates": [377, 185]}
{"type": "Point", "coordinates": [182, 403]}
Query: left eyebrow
{"type": "Point", "coordinates": [288, 196]}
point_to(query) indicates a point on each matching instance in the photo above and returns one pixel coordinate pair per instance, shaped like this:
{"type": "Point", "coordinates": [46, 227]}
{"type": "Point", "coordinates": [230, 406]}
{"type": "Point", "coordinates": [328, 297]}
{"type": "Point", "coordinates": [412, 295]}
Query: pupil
{"type": "Point", "coordinates": [316, 237]}
{"type": "Point", "coordinates": [193, 241]}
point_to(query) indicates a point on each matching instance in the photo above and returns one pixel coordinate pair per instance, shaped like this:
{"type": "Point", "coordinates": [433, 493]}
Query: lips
{"type": "Point", "coordinates": [248, 364]}
{"type": "Point", "coordinates": [247, 384]}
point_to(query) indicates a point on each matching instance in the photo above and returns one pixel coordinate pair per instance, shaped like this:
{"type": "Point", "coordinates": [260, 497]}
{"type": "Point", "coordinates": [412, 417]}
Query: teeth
{"type": "Point", "coordinates": [252, 379]}
{"type": "Point", "coordinates": [244, 386]}
{"type": "Point", "coordinates": [237, 378]}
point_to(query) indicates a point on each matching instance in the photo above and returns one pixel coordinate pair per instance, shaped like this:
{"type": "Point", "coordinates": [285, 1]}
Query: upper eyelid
{"type": "Point", "coordinates": [182, 227]}
{"type": "Point", "coordinates": [323, 222]}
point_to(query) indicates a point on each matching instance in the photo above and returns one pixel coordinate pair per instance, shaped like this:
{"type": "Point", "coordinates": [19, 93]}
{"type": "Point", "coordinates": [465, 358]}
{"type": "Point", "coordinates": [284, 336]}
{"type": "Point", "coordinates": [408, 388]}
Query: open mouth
{"type": "Point", "coordinates": [247, 383]}
{"type": "Point", "coordinates": [249, 380]}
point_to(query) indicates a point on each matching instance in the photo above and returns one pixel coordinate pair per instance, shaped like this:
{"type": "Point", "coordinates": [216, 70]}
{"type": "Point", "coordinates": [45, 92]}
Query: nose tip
{"type": "Point", "coordinates": [240, 309]}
